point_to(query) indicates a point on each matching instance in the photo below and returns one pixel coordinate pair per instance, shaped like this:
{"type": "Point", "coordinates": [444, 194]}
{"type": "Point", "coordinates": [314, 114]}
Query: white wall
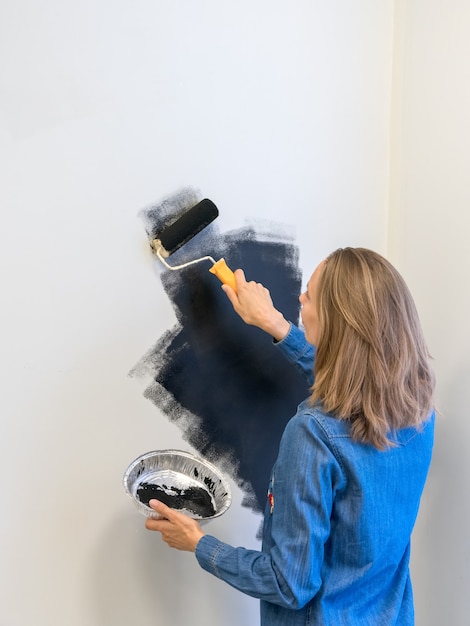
{"type": "Point", "coordinates": [274, 110]}
{"type": "Point", "coordinates": [429, 242]}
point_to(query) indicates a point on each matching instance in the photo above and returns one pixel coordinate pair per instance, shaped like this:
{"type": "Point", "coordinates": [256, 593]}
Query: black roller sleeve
{"type": "Point", "coordinates": [189, 224]}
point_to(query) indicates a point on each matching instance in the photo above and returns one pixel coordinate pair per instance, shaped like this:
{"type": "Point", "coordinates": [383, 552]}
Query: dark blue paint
{"type": "Point", "coordinates": [221, 381]}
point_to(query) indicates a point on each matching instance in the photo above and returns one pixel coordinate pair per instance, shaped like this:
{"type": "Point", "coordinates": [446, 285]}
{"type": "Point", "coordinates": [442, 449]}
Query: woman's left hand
{"type": "Point", "coordinates": [178, 530]}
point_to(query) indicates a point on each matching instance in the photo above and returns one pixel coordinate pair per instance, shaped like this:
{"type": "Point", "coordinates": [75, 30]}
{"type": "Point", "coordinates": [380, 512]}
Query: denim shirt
{"type": "Point", "coordinates": [337, 525]}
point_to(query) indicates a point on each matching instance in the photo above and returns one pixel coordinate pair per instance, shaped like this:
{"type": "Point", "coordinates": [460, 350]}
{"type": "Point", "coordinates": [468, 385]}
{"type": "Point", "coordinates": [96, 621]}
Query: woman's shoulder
{"type": "Point", "coordinates": [319, 421]}
{"type": "Point", "coordinates": [311, 426]}
{"type": "Point", "coordinates": [310, 439]}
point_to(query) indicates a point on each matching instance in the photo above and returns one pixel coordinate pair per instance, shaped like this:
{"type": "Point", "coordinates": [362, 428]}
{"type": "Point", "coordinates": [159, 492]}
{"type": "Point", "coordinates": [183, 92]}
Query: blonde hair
{"type": "Point", "coordinates": [372, 364]}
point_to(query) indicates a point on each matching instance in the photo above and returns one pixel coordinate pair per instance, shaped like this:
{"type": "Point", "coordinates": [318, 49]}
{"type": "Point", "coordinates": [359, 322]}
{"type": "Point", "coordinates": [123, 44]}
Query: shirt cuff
{"type": "Point", "coordinates": [207, 552]}
{"type": "Point", "coordinates": [285, 338]}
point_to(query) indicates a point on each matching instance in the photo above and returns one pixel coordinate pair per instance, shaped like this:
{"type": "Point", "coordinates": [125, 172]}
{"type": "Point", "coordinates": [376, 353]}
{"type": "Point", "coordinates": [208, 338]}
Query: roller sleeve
{"type": "Point", "coordinates": [188, 225]}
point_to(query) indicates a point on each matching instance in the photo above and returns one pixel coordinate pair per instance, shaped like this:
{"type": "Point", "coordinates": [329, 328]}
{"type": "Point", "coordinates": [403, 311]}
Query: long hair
{"type": "Point", "coordinates": [372, 364]}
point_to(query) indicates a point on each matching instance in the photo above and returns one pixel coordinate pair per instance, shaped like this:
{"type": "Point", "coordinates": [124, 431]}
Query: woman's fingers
{"type": "Point", "coordinates": [177, 530]}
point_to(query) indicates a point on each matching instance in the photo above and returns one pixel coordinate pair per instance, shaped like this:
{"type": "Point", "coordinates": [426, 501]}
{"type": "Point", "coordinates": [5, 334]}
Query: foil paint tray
{"type": "Point", "coordinates": [180, 480]}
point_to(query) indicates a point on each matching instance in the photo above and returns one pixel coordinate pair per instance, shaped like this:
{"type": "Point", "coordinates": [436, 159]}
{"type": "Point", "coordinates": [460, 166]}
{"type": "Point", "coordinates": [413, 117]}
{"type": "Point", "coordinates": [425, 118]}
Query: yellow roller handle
{"type": "Point", "coordinates": [224, 273]}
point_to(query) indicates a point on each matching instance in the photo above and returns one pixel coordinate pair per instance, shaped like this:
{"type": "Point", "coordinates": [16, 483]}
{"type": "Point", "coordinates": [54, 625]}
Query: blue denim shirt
{"type": "Point", "coordinates": [337, 526]}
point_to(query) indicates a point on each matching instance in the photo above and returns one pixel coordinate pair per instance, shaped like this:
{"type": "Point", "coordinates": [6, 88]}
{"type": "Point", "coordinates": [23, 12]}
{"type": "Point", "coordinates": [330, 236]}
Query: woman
{"type": "Point", "coordinates": [352, 463]}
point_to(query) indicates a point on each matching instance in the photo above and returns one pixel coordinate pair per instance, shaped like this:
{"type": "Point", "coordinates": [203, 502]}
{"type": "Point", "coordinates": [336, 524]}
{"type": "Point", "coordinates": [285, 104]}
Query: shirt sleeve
{"type": "Point", "coordinates": [298, 351]}
{"type": "Point", "coordinates": [288, 571]}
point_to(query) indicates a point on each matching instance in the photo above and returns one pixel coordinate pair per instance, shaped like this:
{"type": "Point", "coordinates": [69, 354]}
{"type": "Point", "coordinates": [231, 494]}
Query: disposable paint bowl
{"type": "Point", "coordinates": [180, 480]}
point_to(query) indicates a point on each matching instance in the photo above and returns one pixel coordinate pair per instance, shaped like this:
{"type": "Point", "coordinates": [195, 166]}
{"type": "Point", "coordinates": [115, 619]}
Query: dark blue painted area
{"type": "Point", "coordinates": [223, 382]}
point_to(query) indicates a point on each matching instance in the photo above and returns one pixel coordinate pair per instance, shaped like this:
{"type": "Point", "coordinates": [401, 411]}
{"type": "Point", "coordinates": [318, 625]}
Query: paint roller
{"type": "Point", "coordinates": [185, 228]}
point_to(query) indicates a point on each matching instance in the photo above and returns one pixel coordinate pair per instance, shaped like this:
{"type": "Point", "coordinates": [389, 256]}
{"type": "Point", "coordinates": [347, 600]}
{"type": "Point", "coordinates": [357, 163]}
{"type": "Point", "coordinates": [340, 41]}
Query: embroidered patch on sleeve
{"type": "Point", "coordinates": [271, 495]}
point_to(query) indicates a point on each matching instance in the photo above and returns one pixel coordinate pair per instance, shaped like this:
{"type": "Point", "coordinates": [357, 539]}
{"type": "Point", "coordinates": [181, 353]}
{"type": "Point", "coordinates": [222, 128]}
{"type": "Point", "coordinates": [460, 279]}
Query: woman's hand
{"type": "Point", "coordinates": [178, 530]}
{"type": "Point", "coordinates": [252, 301]}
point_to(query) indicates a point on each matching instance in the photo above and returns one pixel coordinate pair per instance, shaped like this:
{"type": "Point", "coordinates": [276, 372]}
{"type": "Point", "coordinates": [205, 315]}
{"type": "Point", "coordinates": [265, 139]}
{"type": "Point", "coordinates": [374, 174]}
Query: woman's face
{"type": "Point", "coordinates": [308, 311]}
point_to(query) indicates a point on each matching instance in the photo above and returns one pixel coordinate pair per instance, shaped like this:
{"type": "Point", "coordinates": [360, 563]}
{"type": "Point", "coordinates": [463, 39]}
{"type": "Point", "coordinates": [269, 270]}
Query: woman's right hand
{"type": "Point", "coordinates": [253, 303]}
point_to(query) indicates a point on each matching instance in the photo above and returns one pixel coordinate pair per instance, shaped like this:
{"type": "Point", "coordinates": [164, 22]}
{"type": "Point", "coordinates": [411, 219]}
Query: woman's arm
{"type": "Point", "coordinates": [288, 572]}
{"type": "Point", "coordinates": [253, 303]}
